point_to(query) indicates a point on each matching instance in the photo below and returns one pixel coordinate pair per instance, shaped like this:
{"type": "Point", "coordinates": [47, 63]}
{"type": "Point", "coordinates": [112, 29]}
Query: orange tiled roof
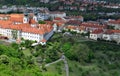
{"type": "Point", "coordinates": [116, 31]}
{"type": "Point", "coordinates": [49, 22]}
{"type": "Point", "coordinates": [60, 23]}
{"type": "Point", "coordinates": [93, 25]}
{"type": "Point", "coordinates": [16, 15]}
{"type": "Point", "coordinates": [33, 30]}
{"type": "Point", "coordinates": [4, 22]}
{"type": "Point", "coordinates": [58, 18]}
{"type": "Point", "coordinates": [112, 31]}
{"type": "Point", "coordinates": [32, 21]}
{"type": "Point", "coordinates": [97, 31]}
{"type": "Point", "coordinates": [17, 19]}
{"type": "Point", "coordinates": [45, 27]}
{"type": "Point", "coordinates": [4, 15]}
{"type": "Point", "coordinates": [42, 28]}
{"type": "Point", "coordinates": [71, 27]}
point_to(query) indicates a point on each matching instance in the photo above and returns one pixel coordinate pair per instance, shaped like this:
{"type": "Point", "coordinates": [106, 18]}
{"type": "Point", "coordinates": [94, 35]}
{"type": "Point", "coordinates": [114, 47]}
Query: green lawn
{"type": "Point", "coordinates": [27, 52]}
{"type": "Point", "coordinates": [57, 68]}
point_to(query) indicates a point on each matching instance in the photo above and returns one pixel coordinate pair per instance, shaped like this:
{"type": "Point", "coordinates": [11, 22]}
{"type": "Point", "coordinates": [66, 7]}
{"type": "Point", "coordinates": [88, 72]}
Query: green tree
{"type": "Point", "coordinates": [41, 22]}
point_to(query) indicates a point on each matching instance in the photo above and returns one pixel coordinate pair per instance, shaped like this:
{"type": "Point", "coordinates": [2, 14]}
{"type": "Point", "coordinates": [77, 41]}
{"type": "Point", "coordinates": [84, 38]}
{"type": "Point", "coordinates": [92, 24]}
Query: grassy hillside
{"type": "Point", "coordinates": [90, 58]}
{"type": "Point", "coordinates": [14, 63]}
{"type": "Point", "coordinates": [85, 58]}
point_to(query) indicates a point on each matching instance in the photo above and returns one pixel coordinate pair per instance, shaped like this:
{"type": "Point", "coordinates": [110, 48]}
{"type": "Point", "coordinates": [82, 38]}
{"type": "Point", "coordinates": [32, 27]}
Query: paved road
{"type": "Point", "coordinates": [53, 62]}
{"type": "Point", "coordinates": [66, 65]}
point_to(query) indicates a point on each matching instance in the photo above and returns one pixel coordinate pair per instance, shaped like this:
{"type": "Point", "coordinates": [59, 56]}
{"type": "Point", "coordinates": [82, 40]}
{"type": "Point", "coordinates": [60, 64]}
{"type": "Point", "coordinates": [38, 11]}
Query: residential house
{"type": "Point", "coordinates": [72, 25]}
{"type": "Point", "coordinates": [91, 26]}
{"type": "Point", "coordinates": [114, 23]}
{"type": "Point", "coordinates": [96, 34]}
{"type": "Point", "coordinates": [57, 14]}
{"type": "Point", "coordinates": [112, 35]}
{"type": "Point", "coordinates": [107, 35]}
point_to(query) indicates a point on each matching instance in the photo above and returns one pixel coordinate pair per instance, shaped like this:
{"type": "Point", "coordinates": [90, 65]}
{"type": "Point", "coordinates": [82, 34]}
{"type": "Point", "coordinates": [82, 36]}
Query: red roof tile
{"type": "Point", "coordinates": [112, 31]}
{"type": "Point", "coordinates": [71, 27]}
{"type": "Point", "coordinates": [32, 21]}
{"type": "Point", "coordinates": [97, 31]}
{"type": "Point", "coordinates": [58, 18]}
{"type": "Point", "coordinates": [42, 28]}
{"type": "Point", "coordinates": [114, 21]}
{"type": "Point", "coordinates": [93, 25]}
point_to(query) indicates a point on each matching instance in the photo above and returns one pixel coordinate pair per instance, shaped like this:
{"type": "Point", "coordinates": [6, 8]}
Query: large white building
{"type": "Point", "coordinates": [18, 26]}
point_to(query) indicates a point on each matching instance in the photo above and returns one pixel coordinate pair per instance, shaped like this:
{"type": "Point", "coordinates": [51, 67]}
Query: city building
{"type": "Point", "coordinates": [24, 26]}
{"type": "Point", "coordinates": [114, 23]}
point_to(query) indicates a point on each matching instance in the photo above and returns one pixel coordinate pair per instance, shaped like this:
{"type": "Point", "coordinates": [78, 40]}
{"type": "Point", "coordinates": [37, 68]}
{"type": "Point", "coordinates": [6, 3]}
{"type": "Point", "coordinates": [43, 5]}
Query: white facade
{"type": "Point", "coordinates": [25, 20]}
{"type": "Point", "coordinates": [35, 18]}
{"type": "Point", "coordinates": [54, 27]}
{"type": "Point", "coordinates": [31, 36]}
{"type": "Point", "coordinates": [116, 38]}
{"type": "Point", "coordinates": [25, 35]}
{"type": "Point", "coordinates": [107, 37]}
{"type": "Point", "coordinates": [6, 32]}
{"type": "Point", "coordinates": [95, 36]}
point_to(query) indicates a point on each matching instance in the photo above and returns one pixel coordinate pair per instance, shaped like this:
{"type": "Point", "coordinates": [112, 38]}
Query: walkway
{"type": "Point", "coordinates": [65, 63]}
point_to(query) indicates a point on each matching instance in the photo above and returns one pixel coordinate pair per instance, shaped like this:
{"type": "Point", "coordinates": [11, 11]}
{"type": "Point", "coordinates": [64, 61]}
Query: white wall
{"type": "Point", "coordinates": [30, 36]}
{"type": "Point", "coordinates": [107, 37]}
{"type": "Point", "coordinates": [93, 36]}
{"type": "Point", "coordinates": [6, 32]}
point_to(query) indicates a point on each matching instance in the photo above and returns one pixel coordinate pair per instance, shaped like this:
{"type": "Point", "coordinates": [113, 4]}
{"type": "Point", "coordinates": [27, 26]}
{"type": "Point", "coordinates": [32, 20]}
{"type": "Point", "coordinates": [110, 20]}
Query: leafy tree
{"type": "Point", "coordinates": [41, 22]}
